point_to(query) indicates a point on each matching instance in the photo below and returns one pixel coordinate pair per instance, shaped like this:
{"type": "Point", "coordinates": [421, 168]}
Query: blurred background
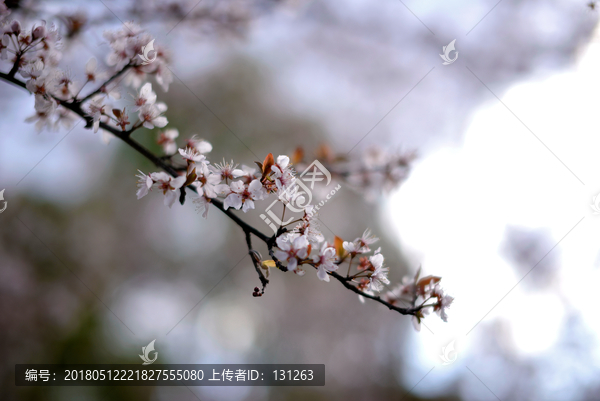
{"type": "Point", "coordinates": [497, 202]}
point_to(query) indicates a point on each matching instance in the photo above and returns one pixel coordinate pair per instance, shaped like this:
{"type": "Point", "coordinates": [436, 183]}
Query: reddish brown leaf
{"type": "Point", "coordinates": [426, 281]}
{"type": "Point", "coordinates": [324, 153]}
{"type": "Point", "coordinates": [298, 155]}
{"type": "Point", "coordinates": [338, 244]}
{"type": "Point", "coordinates": [267, 164]}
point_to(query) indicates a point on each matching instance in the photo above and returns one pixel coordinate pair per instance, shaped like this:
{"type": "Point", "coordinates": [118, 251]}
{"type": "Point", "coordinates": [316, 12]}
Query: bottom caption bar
{"type": "Point", "coordinates": [170, 375]}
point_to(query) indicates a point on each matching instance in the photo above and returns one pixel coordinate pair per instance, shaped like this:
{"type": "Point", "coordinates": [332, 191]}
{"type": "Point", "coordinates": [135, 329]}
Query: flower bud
{"type": "Point", "coordinates": [39, 32]}
{"type": "Point", "coordinates": [15, 27]}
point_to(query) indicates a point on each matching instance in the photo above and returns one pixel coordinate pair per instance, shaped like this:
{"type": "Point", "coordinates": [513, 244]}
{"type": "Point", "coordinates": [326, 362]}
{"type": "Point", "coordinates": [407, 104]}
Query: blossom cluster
{"type": "Point", "coordinates": [35, 55]}
{"type": "Point", "coordinates": [239, 187]}
{"type": "Point", "coordinates": [299, 247]}
{"type": "Point", "coordinates": [127, 49]}
{"type": "Point", "coordinates": [374, 171]}
{"type": "Point", "coordinates": [4, 10]}
{"type": "Point", "coordinates": [420, 291]}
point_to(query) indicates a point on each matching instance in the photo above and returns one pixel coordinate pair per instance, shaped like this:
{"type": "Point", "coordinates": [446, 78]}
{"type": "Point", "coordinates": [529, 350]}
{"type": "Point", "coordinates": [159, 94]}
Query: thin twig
{"type": "Point", "coordinates": [255, 260]}
{"type": "Point", "coordinates": [346, 283]}
{"type": "Point", "coordinates": [105, 84]}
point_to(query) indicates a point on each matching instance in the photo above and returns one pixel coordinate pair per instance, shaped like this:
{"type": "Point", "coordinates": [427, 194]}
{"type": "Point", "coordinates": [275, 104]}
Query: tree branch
{"type": "Point", "coordinates": [15, 67]}
{"type": "Point", "coordinates": [13, 80]}
{"type": "Point", "coordinates": [159, 162]}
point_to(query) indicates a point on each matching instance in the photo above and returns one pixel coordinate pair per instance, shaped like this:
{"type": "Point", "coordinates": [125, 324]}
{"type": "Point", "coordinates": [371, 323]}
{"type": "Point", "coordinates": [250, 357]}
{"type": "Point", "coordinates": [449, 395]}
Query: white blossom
{"type": "Point", "coordinates": [350, 247]}
{"type": "Point", "coordinates": [444, 302]}
{"type": "Point", "coordinates": [166, 139]}
{"type": "Point", "coordinates": [64, 86]}
{"type": "Point", "coordinates": [95, 109]}
{"type": "Point", "coordinates": [144, 184]}
{"type": "Point", "coordinates": [227, 170]}
{"type": "Point", "coordinates": [151, 115]}
{"type": "Point", "coordinates": [40, 85]}
{"type": "Point", "coordinates": [206, 181]}
{"type": "Point", "coordinates": [243, 196]}
{"type": "Point", "coordinates": [416, 323]}
{"type": "Point", "coordinates": [325, 261]}
{"type": "Point", "coordinates": [65, 118]}
{"type": "Point", "coordinates": [281, 165]}
{"type": "Point", "coordinates": [168, 185]}
{"type": "Point", "coordinates": [135, 77]}
{"type": "Point", "coordinates": [378, 277]}
{"type": "Point", "coordinates": [91, 73]}
{"type": "Point", "coordinates": [367, 292]}
{"type": "Point", "coordinates": [32, 69]}
{"type": "Point", "coordinates": [257, 190]}
{"type": "Point", "coordinates": [44, 113]}
{"type": "Point", "coordinates": [309, 226]}
{"type": "Point", "coordinates": [120, 55]}
{"type": "Point", "coordinates": [283, 173]}
{"type": "Point", "coordinates": [144, 97]}
{"type": "Point", "coordinates": [200, 145]}
{"type": "Point", "coordinates": [360, 245]}
{"type": "Point", "coordinates": [164, 76]}
{"type": "Point", "coordinates": [202, 205]}
{"type": "Point", "coordinates": [192, 155]}
{"type": "Point", "coordinates": [355, 247]}
{"type": "Point", "coordinates": [368, 238]}
{"type": "Point", "coordinates": [292, 248]}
